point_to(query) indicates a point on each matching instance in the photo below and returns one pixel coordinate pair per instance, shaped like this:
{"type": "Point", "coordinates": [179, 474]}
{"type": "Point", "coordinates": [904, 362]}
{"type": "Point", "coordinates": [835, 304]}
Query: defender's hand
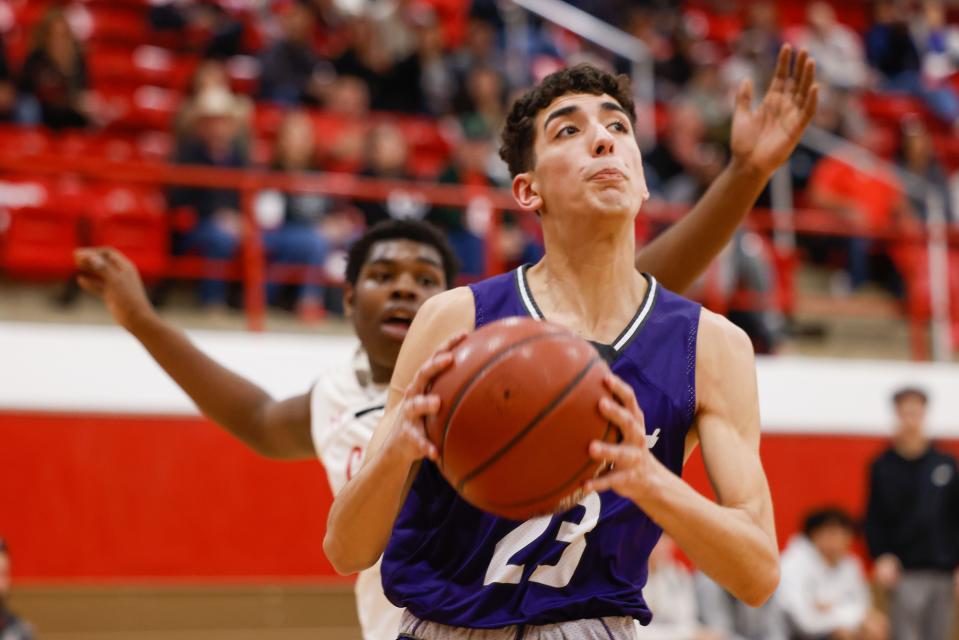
{"type": "Point", "coordinates": [108, 274]}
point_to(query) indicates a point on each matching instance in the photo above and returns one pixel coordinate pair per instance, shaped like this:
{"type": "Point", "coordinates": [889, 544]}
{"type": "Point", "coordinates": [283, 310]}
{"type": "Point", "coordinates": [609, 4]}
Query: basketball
{"type": "Point", "coordinates": [519, 407]}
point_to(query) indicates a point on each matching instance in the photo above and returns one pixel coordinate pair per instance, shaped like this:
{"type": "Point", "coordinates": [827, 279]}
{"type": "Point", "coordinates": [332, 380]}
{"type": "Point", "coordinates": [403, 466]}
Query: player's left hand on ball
{"type": "Point", "coordinates": [630, 457]}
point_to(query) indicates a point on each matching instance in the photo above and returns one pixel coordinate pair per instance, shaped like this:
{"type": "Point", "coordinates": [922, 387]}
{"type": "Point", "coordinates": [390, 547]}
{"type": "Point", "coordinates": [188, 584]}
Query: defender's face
{"type": "Point", "coordinates": [396, 279]}
{"type": "Point", "coordinates": [586, 159]}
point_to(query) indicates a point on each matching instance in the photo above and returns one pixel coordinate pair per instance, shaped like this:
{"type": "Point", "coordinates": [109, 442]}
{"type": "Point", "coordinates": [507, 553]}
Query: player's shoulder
{"type": "Point", "coordinates": [720, 339]}
{"type": "Point", "coordinates": [454, 308]}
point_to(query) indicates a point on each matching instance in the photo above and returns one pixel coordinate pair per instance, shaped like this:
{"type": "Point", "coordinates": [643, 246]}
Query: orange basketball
{"type": "Point", "coordinates": [519, 407]}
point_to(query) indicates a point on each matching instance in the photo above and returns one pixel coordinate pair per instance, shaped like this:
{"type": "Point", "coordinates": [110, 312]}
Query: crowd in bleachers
{"type": "Point", "coordinates": [419, 89]}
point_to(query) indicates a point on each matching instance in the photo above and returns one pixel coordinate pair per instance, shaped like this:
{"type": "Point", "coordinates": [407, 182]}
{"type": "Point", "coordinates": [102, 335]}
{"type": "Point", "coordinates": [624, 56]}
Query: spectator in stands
{"type": "Point", "coordinates": [54, 75]}
{"type": "Point", "coordinates": [918, 157]}
{"type": "Point", "coordinates": [823, 590]}
{"type": "Point", "coordinates": [291, 69]}
{"type": "Point", "coordinates": [671, 593]}
{"type": "Point", "coordinates": [484, 97]}
{"type": "Point", "coordinates": [395, 83]}
{"type": "Point", "coordinates": [864, 196]}
{"type": "Point", "coordinates": [8, 91]}
{"type": "Point", "coordinates": [892, 51]}
{"type": "Point", "coordinates": [210, 75]}
{"type": "Point", "coordinates": [214, 138]}
{"type": "Point", "coordinates": [938, 43]}
{"type": "Point", "coordinates": [837, 49]}
{"type": "Point", "coordinates": [387, 156]}
{"type": "Point", "coordinates": [912, 524]}
{"type": "Point", "coordinates": [204, 27]}
{"type": "Point", "coordinates": [721, 611]}
{"type": "Point", "coordinates": [295, 222]}
{"type": "Point", "coordinates": [754, 54]}
{"type": "Point", "coordinates": [682, 165]}
{"type": "Point", "coordinates": [11, 627]}
{"type": "Point", "coordinates": [479, 50]}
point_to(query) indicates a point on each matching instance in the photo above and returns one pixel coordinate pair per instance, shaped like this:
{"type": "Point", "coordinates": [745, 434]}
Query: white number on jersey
{"type": "Point", "coordinates": [558, 575]}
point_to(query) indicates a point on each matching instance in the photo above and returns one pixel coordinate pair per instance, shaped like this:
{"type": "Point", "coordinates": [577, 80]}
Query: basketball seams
{"type": "Point", "coordinates": [572, 480]}
{"type": "Point", "coordinates": [537, 419]}
{"type": "Point", "coordinates": [467, 385]}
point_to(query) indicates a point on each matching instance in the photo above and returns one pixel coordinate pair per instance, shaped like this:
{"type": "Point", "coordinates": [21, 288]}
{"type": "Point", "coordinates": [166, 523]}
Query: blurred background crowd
{"type": "Point", "coordinates": [418, 89]}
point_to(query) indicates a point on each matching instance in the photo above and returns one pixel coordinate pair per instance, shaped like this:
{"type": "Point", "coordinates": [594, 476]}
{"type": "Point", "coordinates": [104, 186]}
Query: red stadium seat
{"type": "Point", "coordinates": [145, 108]}
{"type": "Point", "coordinates": [134, 221]}
{"type": "Point", "coordinates": [113, 68]}
{"type": "Point", "coordinates": [40, 228]}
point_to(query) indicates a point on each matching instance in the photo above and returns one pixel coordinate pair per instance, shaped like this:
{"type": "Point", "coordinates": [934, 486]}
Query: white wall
{"type": "Point", "coordinates": [71, 368]}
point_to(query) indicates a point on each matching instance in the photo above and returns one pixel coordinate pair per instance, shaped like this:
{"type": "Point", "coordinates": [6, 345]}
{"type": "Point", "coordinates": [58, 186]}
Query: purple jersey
{"type": "Point", "coordinates": [449, 562]}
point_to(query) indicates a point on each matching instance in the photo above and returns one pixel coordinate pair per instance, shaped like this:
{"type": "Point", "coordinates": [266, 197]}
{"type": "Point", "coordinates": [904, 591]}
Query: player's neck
{"type": "Point", "coordinates": [588, 283]}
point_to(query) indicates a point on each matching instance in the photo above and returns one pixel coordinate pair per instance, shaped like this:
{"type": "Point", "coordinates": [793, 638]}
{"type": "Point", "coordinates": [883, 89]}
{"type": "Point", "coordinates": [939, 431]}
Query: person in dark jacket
{"type": "Point", "coordinates": [912, 524]}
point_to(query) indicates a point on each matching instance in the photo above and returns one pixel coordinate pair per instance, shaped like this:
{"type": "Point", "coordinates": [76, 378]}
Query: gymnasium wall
{"type": "Point", "coordinates": [107, 475]}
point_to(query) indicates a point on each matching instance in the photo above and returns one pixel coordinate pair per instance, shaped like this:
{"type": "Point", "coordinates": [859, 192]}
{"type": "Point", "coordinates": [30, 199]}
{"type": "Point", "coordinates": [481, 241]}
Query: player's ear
{"type": "Point", "coordinates": [526, 192]}
{"type": "Point", "coordinates": [348, 294]}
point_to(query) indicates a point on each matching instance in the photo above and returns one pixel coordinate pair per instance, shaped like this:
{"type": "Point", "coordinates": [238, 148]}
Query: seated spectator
{"type": "Point", "coordinates": [387, 156]}
{"type": "Point", "coordinates": [823, 590]}
{"type": "Point", "coordinates": [892, 51]}
{"type": "Point", "coordinates": [210, 75]}
{"type": "Point", "coordinates": [11, 627]}
{"type": "Point", "coordinates": [395, 82]}
{"type": "Point", "coordinates": [756, 49]}
{"type": "Point", "coordinates": [682, 165]}
{"type": "Point", "coordinates": [203, 27]}
{"type": "Point", "coordinates": [670, 592]}
{"type": "Point", "coordinates": [483, 96]}
{"type": "Point", "coordinates": [290, 68]}
{"type": "Point", "coordinates": [918, 157]}
{"type": "Point", "coordinates": [865, 197]}
{"type": "Point", "coordinates": [307, 224]}
{"type": "Point", "coordinates": [721, 611]}
{"type": "Point", "coordinates": [938, 43]}
{"type": "Point", "coordinates": [837, 49]}
{"type": "Point", "coordinates": [8, 91]}
{"type": "Point", "coordinates": [54, 75]}
{"type": "Point", "coordinates": [214, 137]}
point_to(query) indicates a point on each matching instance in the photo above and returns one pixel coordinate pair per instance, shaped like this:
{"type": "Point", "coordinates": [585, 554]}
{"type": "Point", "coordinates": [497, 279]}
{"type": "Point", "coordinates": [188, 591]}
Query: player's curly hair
{"type": "Point", "coordinates": [414, 230]}
{"type": "Point", "coordinates": [518, 133]}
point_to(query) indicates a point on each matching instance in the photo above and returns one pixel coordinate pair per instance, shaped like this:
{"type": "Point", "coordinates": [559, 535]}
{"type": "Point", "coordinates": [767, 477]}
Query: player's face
{"type": "Point", "coordinates": [397, 277]}
{"type": "Point", "coordinates": [586, 160]}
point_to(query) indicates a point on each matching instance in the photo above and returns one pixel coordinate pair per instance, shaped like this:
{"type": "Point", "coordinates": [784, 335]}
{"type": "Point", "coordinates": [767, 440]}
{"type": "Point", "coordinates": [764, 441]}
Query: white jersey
{"type": "Point", "coordinates": [345, 407]}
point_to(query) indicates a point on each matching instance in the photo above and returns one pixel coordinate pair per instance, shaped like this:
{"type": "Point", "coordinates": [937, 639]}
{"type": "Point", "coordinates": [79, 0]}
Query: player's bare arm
{"type": "Point", "coordinates": [279, 429]}
{"type": "Point", "coordinates": [762, 139]}
{"type": "Point", "coordinates": [363, 513]}
{"type": "Point", "coordinates": [733, 541]}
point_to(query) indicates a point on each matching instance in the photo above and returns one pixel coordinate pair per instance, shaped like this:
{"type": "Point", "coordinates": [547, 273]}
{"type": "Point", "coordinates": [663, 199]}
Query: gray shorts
{"type": "Point", "coordinates": [620, 628]}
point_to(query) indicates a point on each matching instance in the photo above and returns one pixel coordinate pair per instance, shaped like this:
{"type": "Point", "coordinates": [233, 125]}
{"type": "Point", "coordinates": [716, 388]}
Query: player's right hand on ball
{"type": "Point", "coordinates": [408, 438]}
{"type": "Point", "coordinates": [109, 275]}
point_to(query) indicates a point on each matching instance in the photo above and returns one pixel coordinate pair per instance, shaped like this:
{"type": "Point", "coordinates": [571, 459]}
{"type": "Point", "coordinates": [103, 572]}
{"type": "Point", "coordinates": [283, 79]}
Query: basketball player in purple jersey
{"type": "Point", "coordinates": [682, 377]}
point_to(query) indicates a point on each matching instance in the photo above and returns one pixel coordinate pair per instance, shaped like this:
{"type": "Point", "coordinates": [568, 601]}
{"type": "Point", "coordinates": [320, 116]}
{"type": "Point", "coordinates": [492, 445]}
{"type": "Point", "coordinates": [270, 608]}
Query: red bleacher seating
{"type": "Point", "coordinates": [134, 221]}
{"type": "Point", "coordinates": [40, 228]}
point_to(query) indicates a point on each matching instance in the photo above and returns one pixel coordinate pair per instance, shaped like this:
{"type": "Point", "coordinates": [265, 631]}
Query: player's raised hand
{"type": "Point", "coordinates": [630, 457]}
{"type": "Point", "coordinates": [407, 438]}
{"type": "Point", "coordinates": [763, 137]}
{"type": "Point", "coordinates": [108, 274]}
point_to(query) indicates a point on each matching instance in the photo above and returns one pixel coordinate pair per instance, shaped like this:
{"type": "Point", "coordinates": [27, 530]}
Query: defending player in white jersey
{"type": "Point", "coordinates": [392, 270]}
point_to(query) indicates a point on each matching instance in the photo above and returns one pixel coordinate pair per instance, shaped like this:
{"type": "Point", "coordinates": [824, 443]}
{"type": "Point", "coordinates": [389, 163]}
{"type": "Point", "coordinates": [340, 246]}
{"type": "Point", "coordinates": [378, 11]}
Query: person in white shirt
{"type": "Point", "coordinates": [823, 589]}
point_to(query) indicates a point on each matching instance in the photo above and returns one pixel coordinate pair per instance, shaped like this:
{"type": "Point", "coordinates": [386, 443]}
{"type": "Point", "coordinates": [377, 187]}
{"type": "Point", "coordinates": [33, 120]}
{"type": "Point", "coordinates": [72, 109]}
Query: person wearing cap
{"type": "Point", "coordinates": [11, 627]}
{"type": "Point", "coordinates": [912, 524]}
{"type": "Point", "coordinates": [213, 138]}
